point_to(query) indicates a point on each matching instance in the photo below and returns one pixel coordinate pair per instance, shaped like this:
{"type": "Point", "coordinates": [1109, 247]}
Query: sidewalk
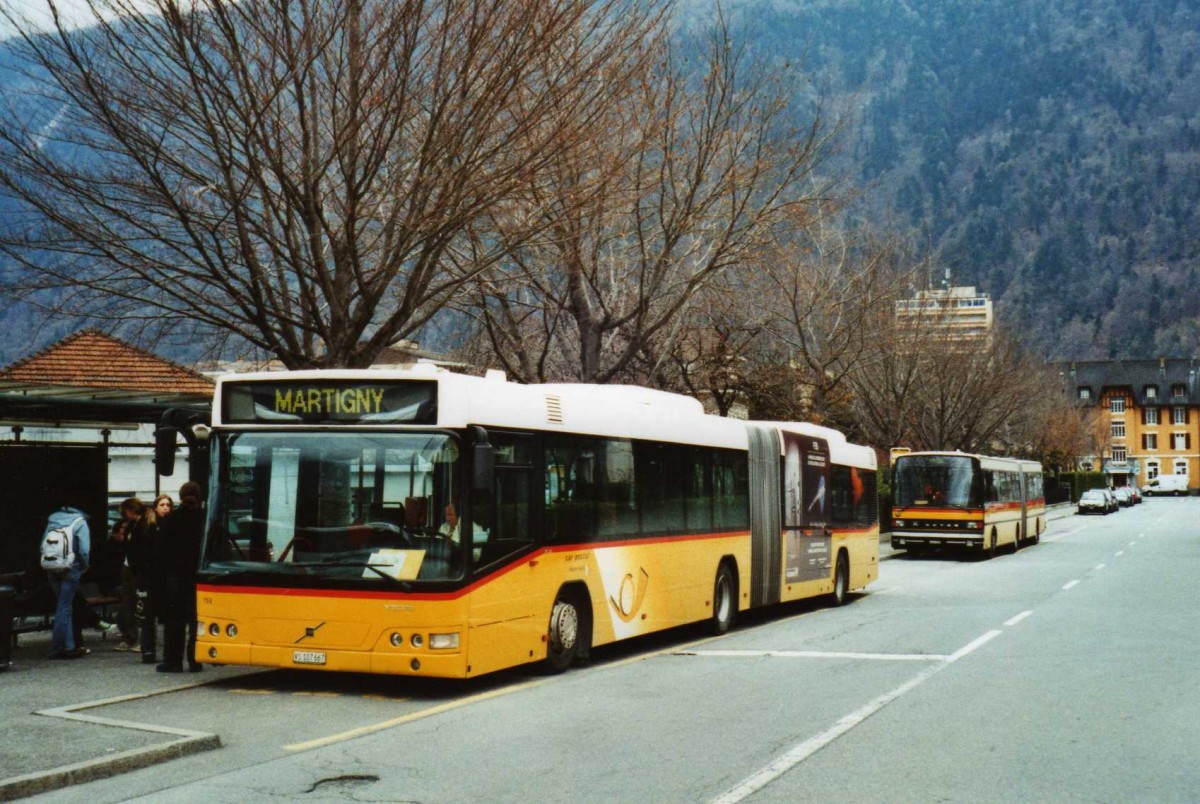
{"type": "Point", "coordinates": [54, 732]}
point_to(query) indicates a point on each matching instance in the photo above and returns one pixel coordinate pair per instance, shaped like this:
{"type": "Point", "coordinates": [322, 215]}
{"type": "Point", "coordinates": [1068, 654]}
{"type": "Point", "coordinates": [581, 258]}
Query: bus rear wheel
{"type": "Point", "coordinates": [724, 601]}
{"type": "Point", "coordinates": [841, 580]}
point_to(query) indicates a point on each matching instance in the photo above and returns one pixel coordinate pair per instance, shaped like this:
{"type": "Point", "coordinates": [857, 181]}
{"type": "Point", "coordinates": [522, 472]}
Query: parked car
{"type": "Point", "coordinates": [1113, 505]}
{"type": "Point", "coordinates": [1094, 501]}
{"type": "Point", "coordinates": [1124, 496]}
{"type": "Point", "coordinates": [1166, 484]}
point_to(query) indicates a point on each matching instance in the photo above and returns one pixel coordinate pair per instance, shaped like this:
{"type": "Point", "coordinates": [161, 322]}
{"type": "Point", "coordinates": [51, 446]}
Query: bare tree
{"type": "Point", "coordinates": [299, 174]}
{"type": "Point", "coordinates": [827, 290]}
{"type": "Point", "coordinates": [973, 396]}
{"type": "Point", "coordinates": [884, 383]}
{"type": "Point", "coordinates": [687, 182]}
{"type": "Point", "coordinates": [1060, 431]}
{"type": "Point", "coordinates": [927, 386]}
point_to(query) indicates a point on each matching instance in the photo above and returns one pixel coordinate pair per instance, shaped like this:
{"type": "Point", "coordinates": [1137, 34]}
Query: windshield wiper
{"type": "Point", "coordinates": [405, 585]}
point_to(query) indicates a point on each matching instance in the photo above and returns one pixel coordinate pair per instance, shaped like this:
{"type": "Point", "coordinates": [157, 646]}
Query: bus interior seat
{"type": "Point", "coordinates": [394, 513]}
{"type": "Point", "coordinates": [415, 510]}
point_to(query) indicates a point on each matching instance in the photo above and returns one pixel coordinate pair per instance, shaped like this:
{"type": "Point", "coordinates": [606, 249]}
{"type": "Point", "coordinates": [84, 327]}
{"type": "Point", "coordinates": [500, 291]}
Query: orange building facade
{"type": "Point", "coordinates": [1148, 417]}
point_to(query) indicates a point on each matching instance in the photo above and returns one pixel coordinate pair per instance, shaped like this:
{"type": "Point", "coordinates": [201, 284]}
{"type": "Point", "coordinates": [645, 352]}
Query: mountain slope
{"type": "Point", "coordinates": [1048, 149]}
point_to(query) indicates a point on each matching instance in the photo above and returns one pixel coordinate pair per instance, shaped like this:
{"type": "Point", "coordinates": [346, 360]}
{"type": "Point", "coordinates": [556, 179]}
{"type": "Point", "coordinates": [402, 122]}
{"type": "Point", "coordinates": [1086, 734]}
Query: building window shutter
{"type": "Point", "coordinates": [1187, 441]}
{"type": "Point", "coordinates": [1145, 442]}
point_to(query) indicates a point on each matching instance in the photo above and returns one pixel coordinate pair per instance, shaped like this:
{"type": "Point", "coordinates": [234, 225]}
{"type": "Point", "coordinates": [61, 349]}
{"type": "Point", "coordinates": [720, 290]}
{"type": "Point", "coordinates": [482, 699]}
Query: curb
{"type": "Point", "coordinates": [188, 742]}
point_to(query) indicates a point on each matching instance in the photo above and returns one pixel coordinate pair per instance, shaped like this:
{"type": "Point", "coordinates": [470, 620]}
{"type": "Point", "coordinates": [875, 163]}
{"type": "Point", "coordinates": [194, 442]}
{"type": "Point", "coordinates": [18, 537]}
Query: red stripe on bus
{"type": "Point", "coordinates": [443, 596]}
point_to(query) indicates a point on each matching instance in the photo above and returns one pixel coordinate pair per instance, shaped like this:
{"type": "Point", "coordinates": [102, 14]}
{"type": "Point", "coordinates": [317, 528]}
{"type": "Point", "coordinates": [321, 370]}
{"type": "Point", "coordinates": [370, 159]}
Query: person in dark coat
{"type": "Point", "coordinates": [139, 552]}
{"type": "Point", "coordinates": [177, 558]}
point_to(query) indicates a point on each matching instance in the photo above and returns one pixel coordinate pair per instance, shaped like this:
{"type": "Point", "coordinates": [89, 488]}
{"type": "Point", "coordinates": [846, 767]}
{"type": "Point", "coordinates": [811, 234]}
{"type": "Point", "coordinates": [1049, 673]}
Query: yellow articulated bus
{"type": "Point", "coordinates": [429, 523]}
{"type": "Point", "coordinates": [951, 499]}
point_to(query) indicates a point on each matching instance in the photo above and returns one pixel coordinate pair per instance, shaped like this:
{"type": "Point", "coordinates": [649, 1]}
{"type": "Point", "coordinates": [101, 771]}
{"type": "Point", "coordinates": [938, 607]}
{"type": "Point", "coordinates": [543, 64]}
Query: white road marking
{"type": "Point", "coordinates": [424, 713]}
{"type": "Point", "coordinates": [802, 751]}
{"type": "Point", "coordinates": [1014, 620]}
{"type": "Point", "coordinates": [1069, 584]}
{"type": "Point", "coordinates": [1100, 567]}
{"type": "Point", "coordinates": [1133, 544]}
{"type": "Point", "coordinates": [461, 702]}
{"type": "Point", "coordinates": [1119, 553]}
{"type": "Point", "coordinates": [817, 654]}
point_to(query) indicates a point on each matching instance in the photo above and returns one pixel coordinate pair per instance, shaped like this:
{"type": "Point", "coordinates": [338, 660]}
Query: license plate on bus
{"type": "Point", "coordinates": [309, 657]}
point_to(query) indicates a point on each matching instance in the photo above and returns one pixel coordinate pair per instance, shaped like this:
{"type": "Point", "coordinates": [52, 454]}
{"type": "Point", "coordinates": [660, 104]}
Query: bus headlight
{"type": "Point", "coordinates": [397, 640]}
{"type": "Point", "coordinates": [443, 641]}
{"type": "Point", "coordinates": [231, 630]}
{"type": "Point", "coordinates": [214, 629]}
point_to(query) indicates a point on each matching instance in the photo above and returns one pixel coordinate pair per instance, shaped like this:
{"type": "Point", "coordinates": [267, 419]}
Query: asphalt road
{"type": "Point", "coordinates": [1064, 672]}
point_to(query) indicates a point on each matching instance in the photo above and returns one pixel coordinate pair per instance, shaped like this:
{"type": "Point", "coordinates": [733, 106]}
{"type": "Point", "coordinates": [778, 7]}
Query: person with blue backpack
{"type": "Point", "coordinates": [66, 548]}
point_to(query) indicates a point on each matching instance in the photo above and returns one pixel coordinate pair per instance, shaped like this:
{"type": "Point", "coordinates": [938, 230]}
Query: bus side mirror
{"type": "Point", "coordinates": [164, 450]}
{"type": "Point", "coordinates": [482, 467]}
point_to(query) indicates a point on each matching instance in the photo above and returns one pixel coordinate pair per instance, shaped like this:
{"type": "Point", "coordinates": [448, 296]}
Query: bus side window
{"type": "Point", "coordinates": [503, 524]}
{"type": "Point", "coordinates": [989, 482]}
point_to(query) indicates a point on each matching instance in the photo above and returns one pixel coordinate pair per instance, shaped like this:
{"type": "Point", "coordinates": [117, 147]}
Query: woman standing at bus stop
{"type": "Point", "coordinates": [143, 531]}
{"type": "Point", "coordinates": [175, 561]}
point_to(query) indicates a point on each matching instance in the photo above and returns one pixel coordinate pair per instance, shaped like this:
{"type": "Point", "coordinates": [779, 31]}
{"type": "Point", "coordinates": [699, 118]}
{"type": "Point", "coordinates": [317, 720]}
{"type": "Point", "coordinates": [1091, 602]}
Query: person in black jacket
{"type": "Point", "coordinates": [176, 558]}
{"type": "Point", "coordinates": [139, 552]}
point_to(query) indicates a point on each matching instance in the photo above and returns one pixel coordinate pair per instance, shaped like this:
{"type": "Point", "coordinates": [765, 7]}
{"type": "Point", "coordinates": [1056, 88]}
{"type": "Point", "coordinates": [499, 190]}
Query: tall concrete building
{"type": "Point", "coordinates": [963, 313]}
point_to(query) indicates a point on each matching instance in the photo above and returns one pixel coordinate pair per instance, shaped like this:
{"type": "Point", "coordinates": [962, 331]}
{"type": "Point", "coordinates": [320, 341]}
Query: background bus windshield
{"type": "Point", "coordinates": [356, 507]}
{"type": "Point", "coordinates": [931, 480]}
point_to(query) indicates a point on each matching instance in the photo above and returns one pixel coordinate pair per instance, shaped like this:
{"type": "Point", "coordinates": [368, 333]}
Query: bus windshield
{"type": "Point", "coordinates": [371, 509]}
{"type": "Point", "coordinates": [936, 480]}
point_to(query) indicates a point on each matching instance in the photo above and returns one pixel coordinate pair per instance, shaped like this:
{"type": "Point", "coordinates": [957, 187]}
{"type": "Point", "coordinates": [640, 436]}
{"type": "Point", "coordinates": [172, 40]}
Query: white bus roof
{"type": "Point", "coordinates": [985, 461]}
{"type": "Point", "coordinates": [623, 411]}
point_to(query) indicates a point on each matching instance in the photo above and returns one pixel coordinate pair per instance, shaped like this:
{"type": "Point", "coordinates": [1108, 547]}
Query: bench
{"type": "Point", "coordinates": [33, 605]}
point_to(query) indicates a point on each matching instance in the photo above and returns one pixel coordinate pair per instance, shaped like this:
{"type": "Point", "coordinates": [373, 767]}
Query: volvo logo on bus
{"type": "Point", "coordinates": [309, 633]}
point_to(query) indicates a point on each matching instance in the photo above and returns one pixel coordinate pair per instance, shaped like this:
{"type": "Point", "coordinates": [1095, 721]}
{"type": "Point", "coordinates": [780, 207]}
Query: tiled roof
{"type": "Point", "coordinates": [92, 359]}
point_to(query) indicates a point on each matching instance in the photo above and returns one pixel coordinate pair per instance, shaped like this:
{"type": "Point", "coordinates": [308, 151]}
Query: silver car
{"type": "Point", "coordinates": [1094, 501]}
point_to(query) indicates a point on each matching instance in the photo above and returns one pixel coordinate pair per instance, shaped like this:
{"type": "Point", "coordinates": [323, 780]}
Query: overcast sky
{"type": "Point", "coordinates": [74, 11]}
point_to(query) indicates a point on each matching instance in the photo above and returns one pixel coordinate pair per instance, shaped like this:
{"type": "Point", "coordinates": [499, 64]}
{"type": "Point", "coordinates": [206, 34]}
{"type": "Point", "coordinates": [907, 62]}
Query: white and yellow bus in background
{"type": "Point", "coordinates": [431, 523]}
{"type": "Point", "coordinates": [952, 499]}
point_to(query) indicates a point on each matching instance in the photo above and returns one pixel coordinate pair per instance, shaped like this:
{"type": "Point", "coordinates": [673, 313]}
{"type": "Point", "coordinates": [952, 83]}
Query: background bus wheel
{"type": "Point", "coordinates": [1017, 540]}
{"type": "Point", "coordinates": [1037, 533]}
{"type": "Point", "coordinates": [564, 636]}
{"type": "Point", "coordinates": [841, 580]}
{"type": "Point", "coordinates": [724, 601]}
{"type": "Point", "coordinates": [990, 552]}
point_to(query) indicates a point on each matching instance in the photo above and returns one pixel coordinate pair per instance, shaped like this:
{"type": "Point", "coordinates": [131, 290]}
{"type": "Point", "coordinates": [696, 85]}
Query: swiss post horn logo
{"type": "Point", "coordinates": [631, 593]}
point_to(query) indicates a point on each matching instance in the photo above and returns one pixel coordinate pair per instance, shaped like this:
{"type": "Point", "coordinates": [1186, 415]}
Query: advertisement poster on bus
{"type": "Point", "coordinates": [806, 507]}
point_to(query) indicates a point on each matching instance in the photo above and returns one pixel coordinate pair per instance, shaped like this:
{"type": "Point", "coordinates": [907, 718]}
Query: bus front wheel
{"type": "Point", "coordinates": [564, 635]}
{"type": "Point", "coordinates": [841, 580]}
{"type": "Point", "coordinates": [724, 601]}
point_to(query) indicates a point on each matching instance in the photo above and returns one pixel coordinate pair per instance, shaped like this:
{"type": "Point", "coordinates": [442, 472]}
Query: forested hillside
{"type": "Point", "coordinates": [1046, 150]}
